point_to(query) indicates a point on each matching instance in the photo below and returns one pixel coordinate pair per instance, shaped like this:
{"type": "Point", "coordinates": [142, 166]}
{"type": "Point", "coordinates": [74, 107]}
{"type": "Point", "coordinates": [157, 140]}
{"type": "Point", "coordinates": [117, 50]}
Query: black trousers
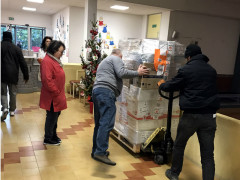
{"type": "Point", "coordinates": [51, 124]}
{"type": "Point", "coordinates": [205, 126]}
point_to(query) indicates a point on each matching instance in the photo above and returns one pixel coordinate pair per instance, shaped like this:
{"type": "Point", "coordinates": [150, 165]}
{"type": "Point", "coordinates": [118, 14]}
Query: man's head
{"type": "Point", "coordinates": [117, 52]}
{"type": "Point", "coordinates": [192, 50]}
{"type": "Point", "coordinates": [7, 35]}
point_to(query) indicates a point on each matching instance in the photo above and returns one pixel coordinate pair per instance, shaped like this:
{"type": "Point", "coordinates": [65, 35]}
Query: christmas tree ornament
{"type": "Point", "coordinates": [105, 29]}
{"type": "Point", "coordinates": [108, 35]}
{"type": "Point", "coordinates": [101, 21]}
{"type": "Point", "coordinates": [111, 41]}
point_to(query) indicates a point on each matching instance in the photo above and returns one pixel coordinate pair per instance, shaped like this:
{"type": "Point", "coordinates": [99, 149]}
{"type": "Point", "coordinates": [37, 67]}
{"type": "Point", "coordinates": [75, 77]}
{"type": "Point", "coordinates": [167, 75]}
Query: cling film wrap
{"type": "Point", "coordinates": [140, 109]}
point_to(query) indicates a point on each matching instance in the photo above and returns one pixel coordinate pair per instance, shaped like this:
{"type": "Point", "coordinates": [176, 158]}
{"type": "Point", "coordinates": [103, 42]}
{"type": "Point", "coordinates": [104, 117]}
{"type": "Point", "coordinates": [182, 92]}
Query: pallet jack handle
{"type": "Point", "coordinates": [168, 137]}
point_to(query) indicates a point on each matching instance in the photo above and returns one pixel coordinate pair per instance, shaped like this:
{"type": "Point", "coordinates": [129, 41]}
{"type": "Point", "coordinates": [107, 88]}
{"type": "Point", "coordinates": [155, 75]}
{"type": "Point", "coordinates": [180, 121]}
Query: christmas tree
{"type": "Point", "coordinates": [94, 57]}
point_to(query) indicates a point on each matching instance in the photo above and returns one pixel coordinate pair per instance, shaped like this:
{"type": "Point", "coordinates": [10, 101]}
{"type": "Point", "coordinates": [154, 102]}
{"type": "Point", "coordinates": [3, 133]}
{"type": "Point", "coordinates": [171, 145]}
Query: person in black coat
{"type": "Point", "coordinates": [196, 81]}
{"type": "Point", "coordinates": [11, 59]}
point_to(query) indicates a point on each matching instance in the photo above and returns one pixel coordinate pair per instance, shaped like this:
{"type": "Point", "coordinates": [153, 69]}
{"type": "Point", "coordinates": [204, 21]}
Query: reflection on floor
{"type": "Point", "coordinates": [24, 157]}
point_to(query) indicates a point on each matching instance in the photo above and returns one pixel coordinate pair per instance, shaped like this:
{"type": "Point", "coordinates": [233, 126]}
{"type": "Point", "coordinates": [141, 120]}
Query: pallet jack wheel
{"type": "Point", "coordinates": [159, 159]}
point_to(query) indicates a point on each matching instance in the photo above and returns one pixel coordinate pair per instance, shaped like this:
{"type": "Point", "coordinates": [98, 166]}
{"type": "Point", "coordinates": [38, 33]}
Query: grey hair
{"type": "Point", "coordinates": [116, 52]}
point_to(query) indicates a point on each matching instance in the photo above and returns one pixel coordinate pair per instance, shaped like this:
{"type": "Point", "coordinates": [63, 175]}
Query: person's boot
{"type": "Point", "coordinates": [4, 114]}
{"type": "Point", "coordinates": [104, 159]}
{"type": "Point", "coordinates": [170, 175]}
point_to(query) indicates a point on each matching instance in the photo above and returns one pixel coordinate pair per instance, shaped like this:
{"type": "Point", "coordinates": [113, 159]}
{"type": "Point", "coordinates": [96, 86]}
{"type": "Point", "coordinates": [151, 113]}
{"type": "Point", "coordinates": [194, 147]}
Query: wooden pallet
{"type": "Point", "coordinates": [135, 148]}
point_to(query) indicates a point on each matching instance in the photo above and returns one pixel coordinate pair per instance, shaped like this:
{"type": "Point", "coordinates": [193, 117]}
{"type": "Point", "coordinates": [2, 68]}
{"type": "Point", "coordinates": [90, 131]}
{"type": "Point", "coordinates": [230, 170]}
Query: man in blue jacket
{"type": "Point", "coordinates": [196, 82]}
{"type": "Point", "coordinates": [11, 59]}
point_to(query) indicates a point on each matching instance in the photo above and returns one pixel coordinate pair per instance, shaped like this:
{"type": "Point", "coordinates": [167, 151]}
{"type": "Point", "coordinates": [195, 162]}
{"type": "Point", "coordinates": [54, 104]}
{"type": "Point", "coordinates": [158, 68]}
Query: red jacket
{"type": "Point", "coordinates": [53, 83]}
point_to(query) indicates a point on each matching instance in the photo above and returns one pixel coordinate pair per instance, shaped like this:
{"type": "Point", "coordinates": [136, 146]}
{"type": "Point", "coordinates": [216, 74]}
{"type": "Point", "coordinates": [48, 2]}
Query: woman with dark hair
{"type": "Point", "coordinates": [52, 97]}
{"type": "Point", "coordinates": [42, 51]}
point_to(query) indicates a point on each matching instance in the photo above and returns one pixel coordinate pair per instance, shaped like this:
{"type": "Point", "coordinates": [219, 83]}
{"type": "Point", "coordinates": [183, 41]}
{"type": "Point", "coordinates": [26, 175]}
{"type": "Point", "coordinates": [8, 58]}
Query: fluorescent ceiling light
{"type": "Point", "coordinates": [120, 7]}
{"type": "Point", "coordinates": [36, 1]}
{"type": "Point", "coordinates": [29, 9]}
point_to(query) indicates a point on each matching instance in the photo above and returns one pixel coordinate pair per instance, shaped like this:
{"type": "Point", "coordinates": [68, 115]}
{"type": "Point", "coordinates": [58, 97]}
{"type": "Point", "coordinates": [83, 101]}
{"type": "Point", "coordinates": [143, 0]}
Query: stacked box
{"type": "Point", "coordinates": [140, 109]}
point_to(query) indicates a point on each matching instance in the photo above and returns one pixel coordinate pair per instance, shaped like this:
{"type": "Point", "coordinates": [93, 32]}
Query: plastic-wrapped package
{"type": "Point", "coordinates": [149, 45]}
{"type": "Point", "coordinates": [147, 57]}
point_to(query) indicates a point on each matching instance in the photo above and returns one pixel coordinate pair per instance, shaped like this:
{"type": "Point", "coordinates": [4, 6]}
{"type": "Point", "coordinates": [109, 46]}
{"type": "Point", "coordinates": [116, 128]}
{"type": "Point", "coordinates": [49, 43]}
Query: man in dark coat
{"type": "Point", "coordinates": [11, 59]}
{"type": "Point", "coordinates": [196, 82]}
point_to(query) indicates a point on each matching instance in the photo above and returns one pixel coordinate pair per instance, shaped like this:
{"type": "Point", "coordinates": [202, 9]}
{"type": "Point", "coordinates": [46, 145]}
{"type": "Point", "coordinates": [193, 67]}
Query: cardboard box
{"type": "Point", "coordinates": [147, 82]}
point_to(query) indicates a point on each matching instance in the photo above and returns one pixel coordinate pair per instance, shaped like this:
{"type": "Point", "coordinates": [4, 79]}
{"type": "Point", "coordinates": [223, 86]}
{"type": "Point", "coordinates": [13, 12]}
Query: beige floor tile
{"type": "Point", "coordinates": [13, 176]}
{"type": "Point", "coordinates": [27, 159]}
{"type": "Point", "coordinates": [30, 172]}
{"type": "Point", "coordinates": [12, 168]}
{"type": "Point", "coordinates": [35, 177]}
{"type": "Point", "coordinates": [29, 165]}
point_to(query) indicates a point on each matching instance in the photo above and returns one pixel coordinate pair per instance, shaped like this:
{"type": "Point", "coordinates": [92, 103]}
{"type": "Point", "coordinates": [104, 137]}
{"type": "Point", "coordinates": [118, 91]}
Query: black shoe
{"type": "Point", "coordinates": [56, 138]}
{"type": "Point", "coordinates": [4, 115]}
{"type": "Point", "coordinates": [104, 159]}
{"type": "Point", "coordinates": [107, 154]}
{"type": "Point", "coordinates": [51, 142]}
{"type": "Point", "coordinates": [170, 175]}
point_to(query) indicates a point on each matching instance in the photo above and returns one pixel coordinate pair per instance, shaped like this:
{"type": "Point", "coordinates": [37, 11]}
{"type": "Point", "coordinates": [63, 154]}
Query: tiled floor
{"type": "Point", "coordinates": [24, 157]}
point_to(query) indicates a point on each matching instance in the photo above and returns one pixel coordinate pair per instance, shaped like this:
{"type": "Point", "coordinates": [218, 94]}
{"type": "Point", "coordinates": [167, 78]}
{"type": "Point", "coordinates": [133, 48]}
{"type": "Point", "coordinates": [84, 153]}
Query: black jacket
{"type": "Point", "coordinates": [11, 59]}
{"type": "Point", "coordinates": [196, 81]}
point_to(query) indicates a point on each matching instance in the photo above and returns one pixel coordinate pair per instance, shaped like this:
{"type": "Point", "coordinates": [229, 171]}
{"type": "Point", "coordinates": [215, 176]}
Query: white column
{"type": "Point", "coordinates": [89, 16]}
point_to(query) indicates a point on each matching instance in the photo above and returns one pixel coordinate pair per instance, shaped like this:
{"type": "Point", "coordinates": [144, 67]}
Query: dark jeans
{"type": "Point", "coordinates": [104, 116]}
{"type": "Point", "coordinates": [205, 126]}
{"type": "Point", "coordinates": [51, 124]}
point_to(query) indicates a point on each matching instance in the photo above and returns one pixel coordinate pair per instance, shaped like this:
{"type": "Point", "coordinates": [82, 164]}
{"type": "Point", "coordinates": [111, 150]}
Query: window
{"type": "Point", "coordinates": [37, 35]}
{"type": "Point", "coordinates": [4, 28]}
{"type": "Point", "coordinates": [20, 35]}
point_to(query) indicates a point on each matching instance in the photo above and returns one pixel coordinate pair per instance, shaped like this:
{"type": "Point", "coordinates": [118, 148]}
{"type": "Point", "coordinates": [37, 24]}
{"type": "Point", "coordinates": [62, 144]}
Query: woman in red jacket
{"type": "Point", "coordinates": [52, 96]}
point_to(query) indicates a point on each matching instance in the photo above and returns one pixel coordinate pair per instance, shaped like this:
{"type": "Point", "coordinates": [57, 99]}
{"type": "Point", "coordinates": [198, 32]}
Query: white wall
{"type": "Point", "coordinates": [76, 34]}
{"type": "Point", "coordinates": [122, 26]}
{"type": "Point", "coordinates": [218, 37]}
{"type": "Point", "coordinates": [33, 19]}
{"type": "Point", "coordinates": [62, 31]}
{"type": "Point", "coordinates": [164, 26]}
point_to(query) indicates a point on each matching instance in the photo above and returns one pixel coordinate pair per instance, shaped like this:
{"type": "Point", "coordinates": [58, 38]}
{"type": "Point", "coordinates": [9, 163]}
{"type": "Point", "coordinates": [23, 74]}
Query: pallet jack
{"type": "Point", "coordinates": [160, 143]}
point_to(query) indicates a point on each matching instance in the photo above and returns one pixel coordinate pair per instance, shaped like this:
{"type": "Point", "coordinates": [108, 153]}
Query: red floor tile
{"type": "Point", "coordinates": [133, 174]}
{"type": "Point", "coordinates": [77, 128]}
{"type": "Point", "coordinates": [18, 112]}
{"type": "Point", "coordinates": [84, 124]}
{"type": "Point", "coordinates": [151, 164]}
{"type": "Point", "coordinates": [2, 164]}
{"type": "Point", "coordinates": [11, 155]}
{"type": "Point", "coordinates": [62, 135]}
{"type": "Point", "coordinates": [40, 147]}
{"type": "Point", "coordinates": [146, 172]}
{"type": "Point", "coordinates": [139, 166]}
{"type": "Point", "coordinates": [12, 160]}
{"type": "Point", "coordinates": [26, 148]}
{"type": "Point", "coordinates": [69, 131]}
{"type": "Point", "coordinates": [26, 153]}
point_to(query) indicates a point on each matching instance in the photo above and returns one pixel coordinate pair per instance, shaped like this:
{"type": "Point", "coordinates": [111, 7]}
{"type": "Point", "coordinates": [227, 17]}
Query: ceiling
{"type": "Point", "coordinates": [50, 7]}
{"type": "Point", "coordinates": [221, 8]}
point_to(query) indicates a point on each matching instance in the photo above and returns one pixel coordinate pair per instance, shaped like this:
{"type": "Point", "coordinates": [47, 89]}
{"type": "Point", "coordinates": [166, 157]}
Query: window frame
{"type": "Point", "coordinates": [14, 28]}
